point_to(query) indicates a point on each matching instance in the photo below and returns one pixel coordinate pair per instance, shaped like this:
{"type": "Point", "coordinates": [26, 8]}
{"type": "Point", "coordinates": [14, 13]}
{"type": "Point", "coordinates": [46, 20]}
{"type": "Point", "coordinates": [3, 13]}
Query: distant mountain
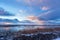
{"type": "Point", "coordinates": [52, 22]}
{"type": "Point", "coordinates": [26, 21]}
{"type": "Point", "coordinates": [9, 20]}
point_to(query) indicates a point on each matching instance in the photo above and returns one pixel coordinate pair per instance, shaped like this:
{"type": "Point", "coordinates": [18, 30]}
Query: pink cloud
{"type": "Point", "coordinates": [31, 17]}
{"type": "Point", "coordinates": [41, 4]}
{"type": "Point", "coordinates": [44, 8]}
{"type": "Point", "coordinates": [35, 19]}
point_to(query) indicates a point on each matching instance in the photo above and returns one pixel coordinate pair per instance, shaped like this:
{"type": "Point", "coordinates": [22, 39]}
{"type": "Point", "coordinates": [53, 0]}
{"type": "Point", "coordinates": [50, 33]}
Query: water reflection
{"type": "Point", "coordinates": [30, 32]}
{"type": "Point", "coordinates": [20, 28]}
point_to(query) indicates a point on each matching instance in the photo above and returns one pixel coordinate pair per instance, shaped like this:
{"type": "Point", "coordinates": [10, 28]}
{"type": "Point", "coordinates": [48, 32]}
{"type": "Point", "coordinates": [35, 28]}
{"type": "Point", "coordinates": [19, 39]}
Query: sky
{"type": "Point", "coordinates": [34, 10]}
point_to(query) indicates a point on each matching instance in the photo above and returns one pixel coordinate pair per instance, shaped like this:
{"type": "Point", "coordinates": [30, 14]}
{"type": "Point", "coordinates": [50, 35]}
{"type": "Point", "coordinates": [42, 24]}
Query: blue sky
{"type": "Point", "coordinates": [39, 9]}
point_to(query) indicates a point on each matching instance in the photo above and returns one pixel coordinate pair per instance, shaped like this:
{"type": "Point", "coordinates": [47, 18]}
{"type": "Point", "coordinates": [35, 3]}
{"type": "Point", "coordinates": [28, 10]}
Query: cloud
{"type": "Point", "coordinates": [8, 17]}
{"type": "Point", "coordinates": [43, 3]}
{"type": "Point", "coordinates": [22, 11]}
{"type": "Point", "coordinates": [44, 8]}
{"type": "Point", "coordinates": [31, 17]}
{"type": "Point", "coordinates": [35, 19]}
{"type": "Point", "coordinates": [38, 5]}
{"type": "Point", "coordinates": [50, 15]}
{"type": "Point", "coordinates": [5, 13]}
{"type": "Point", "coordinates": [34, 2]}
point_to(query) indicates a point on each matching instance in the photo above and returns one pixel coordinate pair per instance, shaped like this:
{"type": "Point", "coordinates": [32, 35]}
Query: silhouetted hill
{"type": "Point", "coordinates": [9, 20]}
{"type": "Point", "coordinates": [26, 21]}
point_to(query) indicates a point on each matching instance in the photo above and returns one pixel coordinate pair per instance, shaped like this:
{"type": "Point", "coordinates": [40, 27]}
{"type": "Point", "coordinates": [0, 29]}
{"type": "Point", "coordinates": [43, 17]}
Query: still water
{"type": "Point", "coordinates": [20, 28]}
